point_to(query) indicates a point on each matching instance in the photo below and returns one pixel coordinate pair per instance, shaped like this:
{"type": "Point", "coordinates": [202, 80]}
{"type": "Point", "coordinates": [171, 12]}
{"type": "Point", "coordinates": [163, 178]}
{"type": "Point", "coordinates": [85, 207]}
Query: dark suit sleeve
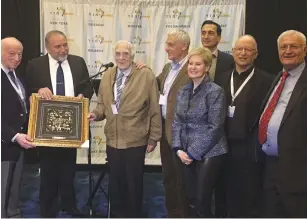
{"type": "Point", "coordinates": [30, 81]}
{"type": "Point", "coordinates": [7, 132]}
{"type": "Point", "coordinates": [84, 88]}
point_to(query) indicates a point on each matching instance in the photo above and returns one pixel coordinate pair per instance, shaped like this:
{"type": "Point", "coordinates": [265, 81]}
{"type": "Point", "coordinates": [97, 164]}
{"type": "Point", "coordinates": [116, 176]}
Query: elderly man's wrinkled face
{"type": "Point", "coordinates": [175, 48]}
{"type": "Point", "coordinates": [123, 56]}
{"type": "Point", "coordinates": [11, 55]}
{"type": "Point", "coordinates": [292, 51]}
{"type": "Point", "coordinates": [245, 52]}
{"type": "Point", "coordinates": [57, 47]}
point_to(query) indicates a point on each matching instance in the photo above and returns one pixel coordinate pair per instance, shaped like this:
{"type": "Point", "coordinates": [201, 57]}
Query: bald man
{"type": "Point", "coordinates": [14, 117]}
{"type": "Point", "coordinates": [246, 87]}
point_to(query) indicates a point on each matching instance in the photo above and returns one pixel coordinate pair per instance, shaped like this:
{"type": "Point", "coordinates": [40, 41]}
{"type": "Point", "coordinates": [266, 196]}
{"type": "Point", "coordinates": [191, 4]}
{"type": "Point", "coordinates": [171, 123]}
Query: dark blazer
{"type": "Point", "coordinates": [292, 138]}
{"type": "Point", "coordinates": [248, 111]}
{"type": "Point", "coordinates": [181, 80]}
{"type": "Point", "coordinates": [13, 120]}
{"type": "Point", "coordinates": [38, 74]}
{"type": "Point", "coordinates": [224, 62]}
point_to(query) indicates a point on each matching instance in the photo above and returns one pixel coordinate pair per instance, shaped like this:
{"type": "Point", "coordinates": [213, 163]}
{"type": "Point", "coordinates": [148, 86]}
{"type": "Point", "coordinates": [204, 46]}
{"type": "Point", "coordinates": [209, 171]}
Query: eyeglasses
{"type": "Point", "coordinates": [248, 50]}
{"type": "Point", "coordinates": [124, 55]}
{"type": "Point", "coordinates": [285, 47]}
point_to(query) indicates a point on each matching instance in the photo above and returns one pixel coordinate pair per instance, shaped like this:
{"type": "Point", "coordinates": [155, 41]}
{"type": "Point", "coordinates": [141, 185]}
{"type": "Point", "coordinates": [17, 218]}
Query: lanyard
{"type": "Point", "coordinates": [234, 95]}
{"type": "Point", "coordinates": [17, 88]}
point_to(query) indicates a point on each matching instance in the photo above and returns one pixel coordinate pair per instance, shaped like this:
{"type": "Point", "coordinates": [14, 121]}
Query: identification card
{"type": "Point", "coordinates": [162, 99]}
{"type": "Point", "coordinates": [114, 109]}
{"type": "Point", "coordinates": [231, 111]}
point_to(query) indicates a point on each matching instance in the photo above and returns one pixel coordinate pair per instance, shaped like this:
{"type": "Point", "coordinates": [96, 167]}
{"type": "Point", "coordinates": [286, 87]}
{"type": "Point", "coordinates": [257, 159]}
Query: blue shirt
{"type": "Point", "coordinates": [270, 147]}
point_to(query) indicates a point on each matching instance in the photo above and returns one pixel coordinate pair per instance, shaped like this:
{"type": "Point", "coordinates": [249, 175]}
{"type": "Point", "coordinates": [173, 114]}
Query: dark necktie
{"type": "Point", "coordinates": [266, 117]}
{"type": "Point", "coordinates": [12, 76]}
{"type": "Point", "coordinates": [60, 83]}
{"type": "Point", "coordinates": [119, 87]}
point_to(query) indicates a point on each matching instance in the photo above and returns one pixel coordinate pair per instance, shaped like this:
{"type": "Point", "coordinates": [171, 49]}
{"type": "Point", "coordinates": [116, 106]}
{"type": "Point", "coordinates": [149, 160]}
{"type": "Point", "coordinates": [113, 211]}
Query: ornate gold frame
{"type": "Point", "coordinates": [35, 121]}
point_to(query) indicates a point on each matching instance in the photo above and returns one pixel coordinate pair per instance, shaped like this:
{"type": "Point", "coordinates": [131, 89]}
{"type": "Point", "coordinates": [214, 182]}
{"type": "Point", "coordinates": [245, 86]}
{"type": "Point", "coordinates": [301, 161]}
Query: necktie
{"type": "Point", "coordinates": [119, 87]}
{"type": "Point", "coordinates": [12, 76]}
{"type": "Point", "coordinates": [60, 83]}
{"type": "Point", "coordinates": [175, 65]}
{"type": "Point", "coordinates": [266, 117]}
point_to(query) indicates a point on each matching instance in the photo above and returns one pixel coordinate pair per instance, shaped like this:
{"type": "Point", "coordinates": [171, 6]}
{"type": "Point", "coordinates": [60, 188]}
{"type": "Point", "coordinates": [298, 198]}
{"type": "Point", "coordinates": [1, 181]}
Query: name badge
{"type": "Point", "coordinates": [231, 111]}
{"type": "Point", "coordinates": [162, 99]}
{"type": "Point", "coordinates": [114, 109]}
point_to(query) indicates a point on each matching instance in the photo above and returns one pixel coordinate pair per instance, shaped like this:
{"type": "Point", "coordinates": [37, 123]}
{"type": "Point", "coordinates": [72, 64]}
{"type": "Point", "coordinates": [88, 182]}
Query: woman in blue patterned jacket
{"type": "Point", "coordinates": [198, 132]}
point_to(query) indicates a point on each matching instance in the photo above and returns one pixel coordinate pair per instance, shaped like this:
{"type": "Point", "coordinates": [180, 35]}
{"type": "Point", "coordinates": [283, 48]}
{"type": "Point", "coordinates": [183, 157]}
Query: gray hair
{"type": "Point", "coordinates": [129, 45]}
{"type": "Point", "coordinates": [51, 33]}
{"type": "Point", "coordinates": [181, 35]}
{"type": "Point", "coordinates": [293, 33]}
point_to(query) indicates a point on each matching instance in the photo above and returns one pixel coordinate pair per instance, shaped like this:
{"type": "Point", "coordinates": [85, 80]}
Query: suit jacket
{"type": "Point", "coordinates": [292, 138]}
{"type": "Point", "coordinates": [181, 80]}
{"type": "Point", "coordinates": [38, 74]}
{"type": "Point", "coordinates": [224, 62]}
{"type": "Point", "coordinates": [13, 120]}
{"type": "Point", "coordinates": [247, 110]}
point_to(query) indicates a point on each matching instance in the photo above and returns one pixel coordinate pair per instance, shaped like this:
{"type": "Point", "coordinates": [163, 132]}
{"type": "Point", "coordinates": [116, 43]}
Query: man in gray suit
{"type": "Point", "coordinates": [14, 117]}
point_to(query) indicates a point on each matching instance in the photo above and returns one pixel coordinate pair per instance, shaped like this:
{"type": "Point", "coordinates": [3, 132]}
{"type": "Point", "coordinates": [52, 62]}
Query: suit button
{"type": "Point", "coordinates": [21, 128]}
{"type": "Point", "coordinates": [21, 114]}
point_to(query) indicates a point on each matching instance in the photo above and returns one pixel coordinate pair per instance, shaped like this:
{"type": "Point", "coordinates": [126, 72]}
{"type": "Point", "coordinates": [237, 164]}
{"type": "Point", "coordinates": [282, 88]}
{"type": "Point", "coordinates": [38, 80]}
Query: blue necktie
{"type": "Point", "coordinates": [23, 103]}
{"type": "Point", "coordinates": [119, 87]}
{"type": "Point", "coordinates": [60, 83]}
{"type": "Point", "coordinates": [12, 76]}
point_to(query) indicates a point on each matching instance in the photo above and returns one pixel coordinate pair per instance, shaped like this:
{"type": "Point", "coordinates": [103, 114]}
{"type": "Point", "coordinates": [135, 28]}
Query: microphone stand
{"type": "Point", "coordinates": [90, 80]}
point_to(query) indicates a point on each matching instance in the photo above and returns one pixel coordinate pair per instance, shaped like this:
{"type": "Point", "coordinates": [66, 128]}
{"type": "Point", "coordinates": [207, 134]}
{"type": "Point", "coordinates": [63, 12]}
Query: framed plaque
{"type": "Point", "coordinates": [60, 122]}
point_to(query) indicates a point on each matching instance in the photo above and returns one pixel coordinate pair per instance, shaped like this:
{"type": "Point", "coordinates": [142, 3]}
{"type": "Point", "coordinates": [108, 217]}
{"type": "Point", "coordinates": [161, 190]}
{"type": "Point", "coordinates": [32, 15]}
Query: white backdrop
{"type": "Point", "coordinates": [93, 26]}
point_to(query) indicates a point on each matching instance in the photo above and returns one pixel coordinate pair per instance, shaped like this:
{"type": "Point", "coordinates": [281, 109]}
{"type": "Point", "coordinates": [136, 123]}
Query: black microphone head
{"type": "Point", "coordinates": [110, 65]}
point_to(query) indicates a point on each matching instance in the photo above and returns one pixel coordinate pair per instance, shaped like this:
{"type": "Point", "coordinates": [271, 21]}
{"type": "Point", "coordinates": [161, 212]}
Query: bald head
{"type": "Point", "coordinates": [11, 52]}
{"type": "Point", "coordinates": [244, 52]}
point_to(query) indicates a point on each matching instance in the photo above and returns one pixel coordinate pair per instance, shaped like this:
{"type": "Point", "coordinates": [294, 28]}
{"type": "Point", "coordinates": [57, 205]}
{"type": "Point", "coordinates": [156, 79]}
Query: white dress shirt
{"type": "Point", "coordinates": [69, 83]}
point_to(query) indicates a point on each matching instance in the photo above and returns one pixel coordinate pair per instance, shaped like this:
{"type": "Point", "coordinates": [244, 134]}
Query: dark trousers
{"type": "Point", "coordinates": [277, 203]}
{"type": "Point", "coordinates": [126, 180]}
{"type": "Point", "coordinates": [200, 179]}
{"type": "Point", "coordinates": [57, 175]}
{"type": "Point", "coordinates": [176, 200]}
{"type": "Point", "coordinates": [220, 201]}
{"type": "Point", "coordinates": [11, 174]}
{"type": "Point", "coordinates": [244, 178]}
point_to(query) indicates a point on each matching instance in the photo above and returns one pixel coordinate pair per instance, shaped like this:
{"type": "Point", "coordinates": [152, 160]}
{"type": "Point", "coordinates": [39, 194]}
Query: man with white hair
{"type": "Point", "coordinates": [173, 77]}
{"type": "Point", "coordinates": [14, 118]}
{"type": "Point", "coordinates": [282, 132]}
{"type": "Point", "coordinates": [128, 100]}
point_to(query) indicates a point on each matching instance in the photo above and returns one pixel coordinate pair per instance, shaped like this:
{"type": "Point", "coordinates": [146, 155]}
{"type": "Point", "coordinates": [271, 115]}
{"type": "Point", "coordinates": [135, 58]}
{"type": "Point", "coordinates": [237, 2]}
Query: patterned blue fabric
{"type": "Point", "coordinates": [198, 126]}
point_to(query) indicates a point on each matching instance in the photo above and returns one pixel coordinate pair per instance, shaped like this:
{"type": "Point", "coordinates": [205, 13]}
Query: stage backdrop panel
{"type": "Point", "coordinates": [94, 26]}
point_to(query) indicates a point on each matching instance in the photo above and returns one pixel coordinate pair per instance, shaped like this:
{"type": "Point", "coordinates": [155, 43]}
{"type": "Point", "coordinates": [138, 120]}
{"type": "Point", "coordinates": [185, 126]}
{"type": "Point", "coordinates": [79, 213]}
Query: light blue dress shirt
{"type": "Point", "coordinates": [270, 147]}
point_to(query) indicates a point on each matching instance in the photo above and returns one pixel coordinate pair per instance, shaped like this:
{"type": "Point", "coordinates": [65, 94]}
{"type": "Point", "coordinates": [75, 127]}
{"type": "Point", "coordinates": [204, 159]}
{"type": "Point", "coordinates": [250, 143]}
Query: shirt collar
{"type": "Point", "coordinates": [53, 61]}
{"type": "Point", "coordinates": [244, 74]}
{"type": "Point", "coordinates": [298, 70]}
{"type": "Point", "coordinates": [215, 53]}
{"type": "Point", "coordinates": [126, 72]}
{"type": "Point", "coordinates": [6, 70]}
{"type": "Point", "coordinates": [177, 65]}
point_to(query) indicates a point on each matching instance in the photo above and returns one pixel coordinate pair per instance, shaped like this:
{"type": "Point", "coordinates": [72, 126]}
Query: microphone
{"type": "Point", "coordinates": [108, 65]}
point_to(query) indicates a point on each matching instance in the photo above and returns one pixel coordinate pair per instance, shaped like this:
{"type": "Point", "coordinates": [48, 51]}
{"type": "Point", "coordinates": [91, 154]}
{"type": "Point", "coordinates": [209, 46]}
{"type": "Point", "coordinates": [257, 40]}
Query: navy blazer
{"type": "Point", "coordinates": [198, 126]}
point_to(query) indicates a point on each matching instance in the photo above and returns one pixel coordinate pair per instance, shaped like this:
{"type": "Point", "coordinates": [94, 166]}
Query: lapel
{"type": "Point", "coordinates": [47, 75]}
{"type": "Point", "coordinates": [300, 86]}
{"type": "Point", "coordinates": [165, 73]}
{"type": "Point", "coordinates": [225, 79]}
{"type": "Point", "coordinates": [73, 69]}
{"type": "Point", "coordinates": [181, 74]}
{"type": "Point", "coordinates": [255, 85]}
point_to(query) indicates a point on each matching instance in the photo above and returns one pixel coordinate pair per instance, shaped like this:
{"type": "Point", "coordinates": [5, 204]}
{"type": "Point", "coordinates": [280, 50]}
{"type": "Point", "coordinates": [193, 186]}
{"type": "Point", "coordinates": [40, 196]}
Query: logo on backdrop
{"type": "Point", "coordinates": [176, 16]}
{"type": "Point", "coordinates": [139, 44]}
{"type": "Point", "coordinates": [135, 18]}
{"type": "Point", "coordinates": [96, 17]}
{"type": "Point", "coordinates": [97, 40]}
{"type": "Point", "coordinates": [217, 13]}
{"type": "Point", "coordinates": [59, 16]}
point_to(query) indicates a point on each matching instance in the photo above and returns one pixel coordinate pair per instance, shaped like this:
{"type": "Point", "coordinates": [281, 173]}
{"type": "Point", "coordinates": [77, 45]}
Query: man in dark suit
{"type": "Point", "coordinates": [211, 35]}
{"type": "Point", "coordinates": [57, 73]}
{"type": "Point", "coordinates": [246, 87]}
{"type": "Point", "coordinates": [283, 132]}
{"type": "Point", "coordinates": [173, 77]}
{"type": "Point", "coordinates": [14, 118]}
